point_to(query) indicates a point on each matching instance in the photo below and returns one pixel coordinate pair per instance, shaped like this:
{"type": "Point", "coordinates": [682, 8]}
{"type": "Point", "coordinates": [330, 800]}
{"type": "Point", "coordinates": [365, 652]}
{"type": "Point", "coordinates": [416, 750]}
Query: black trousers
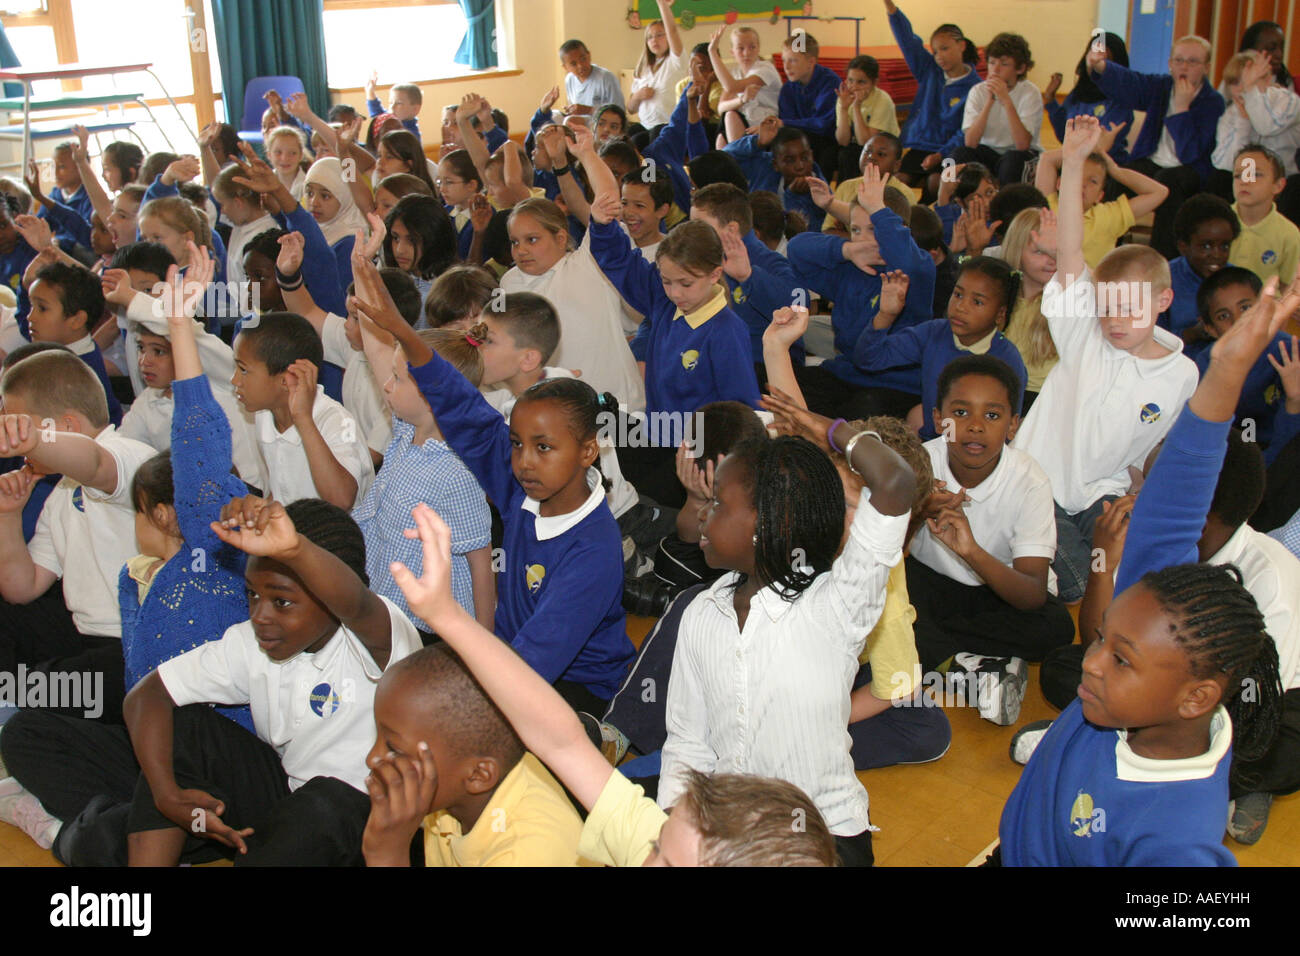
{"type": "Point", "coordinates": [319, 824]}
{"type": "Point", "coordinates": [42, 636]}
{"type": "Point", "coordinates": [827, 394]}
{"type": "Point", "coordinates": [66, 761]}
{"type": "Point", "coordinates": [952, 618]}
{"type": "Point", "coordinates": [1007, 166]}
{"type": "Point", "coordinates": [1281, 490]}
{"type": "Point", "coordinates": [1182, 182]}
{"type": "Point", "coordinates": [855, 850]}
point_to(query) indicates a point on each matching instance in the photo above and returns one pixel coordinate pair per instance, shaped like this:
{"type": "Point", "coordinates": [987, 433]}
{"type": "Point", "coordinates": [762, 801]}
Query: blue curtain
{"type": "Point", "coordinates": [479, 49]}
{"type": "Point", "coordinates": [281, 38]}
{"type": "Point", "coordinates": [9, 58]}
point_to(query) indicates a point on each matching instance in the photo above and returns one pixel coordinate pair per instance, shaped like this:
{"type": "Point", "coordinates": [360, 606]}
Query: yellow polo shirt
{"type": "Point", "coordinates": [715, 93]}
{"type": "Point", "coordinates": [530, 822]}
{"type": "Point", "coordinates": [891, 645]}
{"type": "Point", "coordinates": [847, 191]}
{"type": "Point", "coordinates": [1271, 247]}
{"type": "Point", "coordinates": [1103, 226]}
{"type": "Point", "coordinates": [1017, 333]}
{"type": "Point", "coordinates": [623, 825]}
{"type": "Point", "coordinates": [877, 109]}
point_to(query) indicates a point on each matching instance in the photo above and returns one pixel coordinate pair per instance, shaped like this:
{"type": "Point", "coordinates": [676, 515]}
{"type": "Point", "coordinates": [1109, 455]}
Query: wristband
{"type": "Point", "coordinates": [558, 171]}
{"type": "Point", "coordinates": [830, 434]}
{"type": "Point", "coordinates": [288, 282]}
{"type": "Point", "coordinates": [848, 449]}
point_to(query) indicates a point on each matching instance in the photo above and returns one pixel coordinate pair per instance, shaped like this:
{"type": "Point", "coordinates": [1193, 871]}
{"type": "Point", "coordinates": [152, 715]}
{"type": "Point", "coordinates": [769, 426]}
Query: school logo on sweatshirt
{"type": "Point", "coordinates": [78, 499]}
{"type": "Point", "coordinates": [954, 101]}
{"type": "Point", "coordinates": [1269, 257]}
{"type": "Point", "coordinates": [533, 577]}
{"type": "Point", "coordinates": [1085, 819]}
{"type": "Point", "coordinates": [1150, 414]}
{"type": "Point", "coordinates": [323, 701]}
{"type": "Point", "coordinates": [1099, 109]}
{"type": "Point", "coordinates": [737, 295]}
{"type": "Point", "coordinates": [690, 359]}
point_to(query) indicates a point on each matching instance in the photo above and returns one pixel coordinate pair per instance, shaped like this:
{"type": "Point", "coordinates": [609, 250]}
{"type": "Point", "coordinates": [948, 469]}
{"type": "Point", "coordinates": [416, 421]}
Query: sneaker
{"type": "Point", "coordinates": [23, 810]}
{"type": "Point", "coordinates": [999, 685]}
{"type": "Point", "coordinates": [1026, 739]}
{"type": "Point", "coordinates": [1248, 816]}
{"type": "Point", "coordinates": [613, 744]}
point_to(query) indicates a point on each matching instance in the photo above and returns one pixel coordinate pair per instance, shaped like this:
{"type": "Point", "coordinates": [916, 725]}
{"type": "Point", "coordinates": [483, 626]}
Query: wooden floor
{"type": "Point", "coordinates": [936, 814]}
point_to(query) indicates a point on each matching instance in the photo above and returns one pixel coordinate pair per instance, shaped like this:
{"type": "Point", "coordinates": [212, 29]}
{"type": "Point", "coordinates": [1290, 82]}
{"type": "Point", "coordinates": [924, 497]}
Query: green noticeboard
{"type": "Point", "coordinates": [690, 11]}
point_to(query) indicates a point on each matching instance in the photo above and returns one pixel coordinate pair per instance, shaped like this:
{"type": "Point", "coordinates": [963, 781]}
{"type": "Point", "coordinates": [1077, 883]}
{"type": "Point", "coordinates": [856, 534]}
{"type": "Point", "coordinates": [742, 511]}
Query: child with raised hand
{"type": "Point", "coordinates": [1162, 729]}
{"type": "Point", "coordinates": [688, 364]}
{"type": "Point", "coordinates": [70, 228]}
{"type": "Point", "coordinates": [982, 299]}
{"type": "Point", "coordinates": [655, 78]}
{"type": "Point", "coordinates": [780, 159]}
{"type": "Point", "coordinates": [849, 273]}
{"type": "Point", "coordinates": [753, 93]}
{"type": "Point", "coordinates": [966, 181]}
{"type": "Point", "coordinates": [945, 75]}
{"type": "Point", "coordinates": [1120, 381]}
{"type": "Point", "coordinates": [171, 601]}
{"type": "Point", "coordinates": [560, 538]}
{"type": "Point", "coordinates": [722, 820]}
{"type": "Point", "coordinates": [317, 639]}
{"type": "Point", "coordinates": [777, 702]}
{"type": "Point", "coordinates": [1030, 247]}
{"type": "Point", "coordinates": [242, 207]}
{"type": "Point", "coordinates": [446, 759]}
{"type": "Point", "coordinates": [1104, 223]}
{"type": "Point", "coordinates": [1260, 112]}
{"type": "Point", "coordinates": [1086, 97]}
{"type": "Point", "coordinates": [1004, 114]}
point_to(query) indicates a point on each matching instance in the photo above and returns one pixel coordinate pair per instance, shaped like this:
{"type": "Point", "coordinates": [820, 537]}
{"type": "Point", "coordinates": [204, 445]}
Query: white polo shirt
{"type": "Point", "coordinates": [85, 536]}
{"type": "Point", "coordinates": [1271, 574]}
{"type": "Point", "coordinates": [1011, 515]}
{"type": "Point", "coordinates": [150, 420]}
{"type": "Point", "coordinates": [316, 710]}
{"type": "Point", "coordinates": [1101, 409]}
{"type": "Point", "coordinates": [363, 394]}
{"type": "Point", "coordinates": [286, 473]}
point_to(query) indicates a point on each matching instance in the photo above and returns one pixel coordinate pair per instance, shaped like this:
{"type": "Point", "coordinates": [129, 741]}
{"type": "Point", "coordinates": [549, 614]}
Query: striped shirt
{"type": "Point", "coordinates": [773, 699]}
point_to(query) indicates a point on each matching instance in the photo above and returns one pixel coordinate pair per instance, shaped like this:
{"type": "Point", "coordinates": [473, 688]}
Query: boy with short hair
{"type": "Point", "coordinates": [721, 820]}
{"type": "Point", "coordinates": [66, 302]}
{"type": "Point", "coordinates": [86, 531]}
{"type": "Point", "coordinates": [810, 96]}
{"type": "Point", "coordinates": [1269, 243]}
{"type": "Point", "coordinates": [311, 447]}
{"type": "Point", "coordinates": [1004, 115]}
{"type": "Point", "coordinates": [482, 799]}
{"type": "Point", "coordinates": [586, 86]}
{"type": "Point", "coordinates": [1205, 229]}
{"type": "Point", "coordinates": [404, 102]}
{"type": "Point", "coordinates": [781, 160]}
{"type": "Point", "coordinates": [68, 191]}
{"type": "Point", "coordinates": [979, 568]}
{"type": "Point", "coordinates": [1120, 382]}
{"type": "Point", "coordinates": [1104, 223]}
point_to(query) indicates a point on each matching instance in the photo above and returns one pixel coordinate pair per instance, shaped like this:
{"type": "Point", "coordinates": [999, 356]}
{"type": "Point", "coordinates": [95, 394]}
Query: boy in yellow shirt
{"type": "Point", "coordinates": [1269, 244]}
{"type": "Point", "coordinates": [444, 755]}
{"type": "Point", "coordinates": [1104, 223]}
{"type": "Point", "coordinates": [721, 820]}
{"type": "Point", "coordinates": [863, 110]}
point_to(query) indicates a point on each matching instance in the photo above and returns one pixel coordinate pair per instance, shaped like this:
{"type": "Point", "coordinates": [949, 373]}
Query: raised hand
{"type": "Point", "coordinates": [1257, 69]}
{"type": "Point", "coordinates": [549, 99]}
{"type": "Point", "coordinates": [289, 260]}
{"type": "Point", "coordinates": [768, 129]}
{"type": "Point", "coordinates": [584, 142]}
{"type": "Point", "coordinates": [1112, 528]}
{"type": "Point", "coordinates": [480, 213]}
{"type": "Point", "coordinates": [893, 291]}
{"type": "Point", "coordinates": [788, 325]}
{"type": "Point", "coordinates": [257, 175]}
{"type": "Point", "coordinates": [553, 140]}
{"type": "Point", "coordinates": [606, 207]}
{"type": "Point", "coordinates": [19, 435]}
{"type": "Point", "coordinates": [298, 107]}
{"type": "Point", "coordinates": [1096, 57]}
{"type": "Point", "coordinates": [1108, 136]}
{"type": "Point", "coordinates": [871, 190]}
{"type": "Point", "coordinates": [371, 83]}
{"type": "Point", "coordinates": [258, 526]}
{"type": "Point", "coordinates": [35, 231]}
{"type": "Point", "coordinates": [979, 231]}
{"type": "Point", "coordinates": [735, 261]}
{"type": "Point", "coordinates": [470, 104]}
{"type": "Point", "coordinates": [116, 284]}
{"type": "Point", "coordinates": [696, 475]}
{"type": "Point", "coordinates": [791, 419]}
{"type": "Point", "coordinates": [372, 298]}
{"type": "Point", "coordinates": [819, 191]}
{"type": "Point", "coordinates": [1045, 235]}
{"type": "Point", "coordinates": [378, 233]}
{"type": "Point", "coordinates": [1053, 85]}
{"type": "Point", "coordinates": [15, 489]}
{"type": "Point", "coordinates": [181, 171]}
{"type": "Point", "coordinates": [301, 378]}
{"type": "Point", "coordinates": [1082, 134]}
{"type": "Point", "coordinates": [1288, 370]}
{"type": "Point", "coordinates": [32, 180]}
{"type": "Point", "coordinates": [429, 595]}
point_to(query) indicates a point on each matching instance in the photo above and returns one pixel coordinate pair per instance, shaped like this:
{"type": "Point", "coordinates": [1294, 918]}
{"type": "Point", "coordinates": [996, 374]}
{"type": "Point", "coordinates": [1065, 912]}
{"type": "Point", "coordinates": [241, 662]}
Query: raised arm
{"type": "Point", "coordinates": [547, 725]}
{"type": "Point", "coordinates": [1081, 136]}
{"type": "Point", "coordinates": [675, 46]}
{"type": "Point", "coordinates": [1148, 193]}
{"type": "Point", "coordinates": [99, 200]}
{"type": "Point", "coordinates": [469, 105]}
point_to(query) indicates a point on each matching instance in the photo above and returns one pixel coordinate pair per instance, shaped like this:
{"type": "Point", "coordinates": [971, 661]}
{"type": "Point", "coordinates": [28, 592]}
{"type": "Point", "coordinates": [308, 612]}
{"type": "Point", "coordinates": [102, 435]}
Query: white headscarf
{"type": "Point", "coordinates": [328, 173]}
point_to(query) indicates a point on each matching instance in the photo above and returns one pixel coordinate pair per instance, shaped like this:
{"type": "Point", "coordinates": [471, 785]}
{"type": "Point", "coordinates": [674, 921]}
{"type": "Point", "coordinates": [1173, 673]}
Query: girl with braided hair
{"type": "Point", "coordinates": [1182, 678]}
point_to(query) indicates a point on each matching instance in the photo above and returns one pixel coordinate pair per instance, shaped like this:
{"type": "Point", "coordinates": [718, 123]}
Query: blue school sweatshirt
{"type": "Point", "coordinates": [199, 592]}
{"type": "Point", "coordinates": [1051, 818]}
{"type": "Point", "coordinates": [36, 500]}
{"type": "Point", "coordinates": [948, 215]}
{"type": "Point", "coordinates": [671, 148]}
{"type": "Point", "coordinates": [1107, 113]}
{"type": "Point", "coordinates": [1192, 130]}
{"type": "Point", "coordinates": [934, 123]}
{"type": "Point", "coordinates": [771, 285]}
{"type": "Point", "coordinates": [12, 266]}
{"type": "Point", "coordinates": [322, 273]}
{"type": "Point", "coordinates": [1182, 312]}
{"type": "Point", "coordinates": [756, 163]}
{"type": "Point", "coordinates": [923, 351]}
{"type": "Point", "coordinates": [560, 599]}
{"type": "Point", "coordinates": [685, 367]}
{"type": "Point", "coordinates": [376, 108]}
{"type": "Point", "coordinates": [65, 229]}
{"type": "Point", "coordinates": [95, 359]}
{"type": "Point", "coordinates": [819, 262]}
{"type": "Point", "coordinates": [811, 106]}
{"type": "Point", "coordinates": [1262, 401]}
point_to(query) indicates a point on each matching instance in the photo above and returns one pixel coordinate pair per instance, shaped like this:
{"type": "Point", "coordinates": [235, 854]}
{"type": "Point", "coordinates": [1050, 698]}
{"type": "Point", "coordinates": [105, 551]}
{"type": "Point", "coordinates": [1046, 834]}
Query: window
{"type": "Point", "coordinates": [360, 37]}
